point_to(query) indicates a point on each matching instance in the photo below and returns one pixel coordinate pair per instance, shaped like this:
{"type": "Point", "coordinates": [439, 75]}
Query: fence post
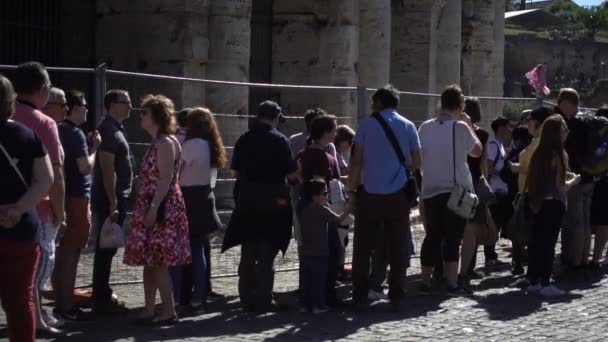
{"type": "Point", "coordinates": [362, 105]}
{"type": "Point", "coordinates": [101, 86]}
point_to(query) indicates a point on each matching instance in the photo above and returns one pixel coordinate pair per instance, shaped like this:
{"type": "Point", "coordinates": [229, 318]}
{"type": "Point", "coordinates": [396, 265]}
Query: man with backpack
{"type": "Point", "coordinates": [501, 181]}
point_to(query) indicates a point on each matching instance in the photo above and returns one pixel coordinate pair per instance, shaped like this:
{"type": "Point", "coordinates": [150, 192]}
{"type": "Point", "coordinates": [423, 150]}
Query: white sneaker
{"type": "Point", "coordinates": [552, 291]}
{"type": "Point", "coordinates": [374, 295]}
{"type": "Point", "coordinates": [319, 310]}
{"type": "Point", "coordinates": [533, 288]}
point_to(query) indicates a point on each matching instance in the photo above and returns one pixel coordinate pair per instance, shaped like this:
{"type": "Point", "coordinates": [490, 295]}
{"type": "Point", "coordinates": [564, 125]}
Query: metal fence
{"type": "Point", "coordinates": [100, 79]}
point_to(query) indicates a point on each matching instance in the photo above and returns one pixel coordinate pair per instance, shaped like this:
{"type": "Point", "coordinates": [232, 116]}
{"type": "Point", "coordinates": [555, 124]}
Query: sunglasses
{"type": "Point", "coordinates": [58, 104]}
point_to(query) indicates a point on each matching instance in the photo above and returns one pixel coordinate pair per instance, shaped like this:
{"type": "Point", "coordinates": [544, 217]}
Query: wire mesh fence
{"type": "Point", "coordinates": [349, 104]}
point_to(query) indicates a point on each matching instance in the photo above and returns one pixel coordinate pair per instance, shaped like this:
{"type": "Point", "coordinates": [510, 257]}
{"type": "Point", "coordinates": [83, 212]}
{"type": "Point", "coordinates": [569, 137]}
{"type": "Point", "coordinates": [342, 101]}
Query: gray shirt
{"type": "Point", "coordinates": [315, 220]}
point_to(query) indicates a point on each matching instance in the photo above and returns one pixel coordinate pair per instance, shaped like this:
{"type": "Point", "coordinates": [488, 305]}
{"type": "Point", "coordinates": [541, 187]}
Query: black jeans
{"type": "Point", "coordinates": [102, 263]}
{"type": "Point", "coordinates": [444, 232]}
{"type": "Point", "coordinates": [392, 213]}
{"type": "Point", "coordinates": [541, 249]}
{"type": "Point", "coordinates": [256, 273]}
{"type": "Point", "coordinates": [501, 212]}
{"type": "Point", "coordinates": [314, 270]}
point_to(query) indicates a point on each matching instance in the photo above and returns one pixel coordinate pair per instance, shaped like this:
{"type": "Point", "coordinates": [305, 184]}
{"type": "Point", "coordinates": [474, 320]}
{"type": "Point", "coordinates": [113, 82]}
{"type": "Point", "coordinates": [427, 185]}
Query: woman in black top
{"type": "Point", "coordinates": [478, 173]}
{"type": "Point", "coordinates": [26, 178]}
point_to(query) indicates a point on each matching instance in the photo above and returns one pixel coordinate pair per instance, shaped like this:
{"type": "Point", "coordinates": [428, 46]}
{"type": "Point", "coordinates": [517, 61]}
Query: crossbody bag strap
{"type": "Point", "coordinates": [454, 150]}
{"type": "Point", "coordinates": [390, 135]}
{"type": "Point", "coordinates": [12, 162]}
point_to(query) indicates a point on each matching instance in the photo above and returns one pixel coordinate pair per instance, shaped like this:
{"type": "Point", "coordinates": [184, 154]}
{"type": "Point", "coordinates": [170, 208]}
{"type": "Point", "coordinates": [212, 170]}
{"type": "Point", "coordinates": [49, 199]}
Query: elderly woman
{"type": "Point", "coordinates": [158, 237]}
{"type": "Point", "coordinates": [27, 176]}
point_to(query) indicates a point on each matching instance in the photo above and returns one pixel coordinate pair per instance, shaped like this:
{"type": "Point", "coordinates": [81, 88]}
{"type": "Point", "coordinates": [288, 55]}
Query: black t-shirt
{"type": "Point", "coordinates": [74, 144]}
{"type": "Point", "coordinates": [576, 146]}
{"type": "Point", "coordinates": [263, 155]}
{"type": "Point", "coordinates": [475, 163]}
{"type": "Point", "coordinates": [24, 146]}
{"type": "Point", "coordinates": [113, 140]}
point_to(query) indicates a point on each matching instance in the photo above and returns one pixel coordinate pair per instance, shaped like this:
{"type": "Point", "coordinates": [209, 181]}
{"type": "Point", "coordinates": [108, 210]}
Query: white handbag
{"type": "Point", "coordinates": [463, 202]}
{"type": "Point", "coordinates": [111, 235]}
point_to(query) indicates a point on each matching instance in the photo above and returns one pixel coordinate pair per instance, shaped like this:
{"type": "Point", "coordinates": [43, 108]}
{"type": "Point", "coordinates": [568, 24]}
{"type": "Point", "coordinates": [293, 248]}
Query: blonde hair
{"type": "Point", "coordinates": [162, 109]}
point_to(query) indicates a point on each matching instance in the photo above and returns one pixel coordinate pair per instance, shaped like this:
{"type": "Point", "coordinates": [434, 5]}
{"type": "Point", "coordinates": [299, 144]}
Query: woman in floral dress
{"type": "Point", "coordinates": [158, 236]}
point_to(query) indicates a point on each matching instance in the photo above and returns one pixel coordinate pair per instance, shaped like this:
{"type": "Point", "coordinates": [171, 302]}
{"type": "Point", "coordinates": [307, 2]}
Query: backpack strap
{"type": "Point", "coordinates": [498, 154]}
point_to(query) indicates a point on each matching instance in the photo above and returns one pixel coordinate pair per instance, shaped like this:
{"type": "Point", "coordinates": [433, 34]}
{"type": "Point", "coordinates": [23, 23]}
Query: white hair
{"type": "Point", "coordinates": [55, 94]}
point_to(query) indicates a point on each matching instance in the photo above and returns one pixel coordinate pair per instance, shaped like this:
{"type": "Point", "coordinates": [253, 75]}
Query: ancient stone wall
{"type": "Point", "coordinates": [576, 63]}
{"type": "Point", "coordinates": [481, 60]}
{"type": "Point", "coordinates": [413, 51]}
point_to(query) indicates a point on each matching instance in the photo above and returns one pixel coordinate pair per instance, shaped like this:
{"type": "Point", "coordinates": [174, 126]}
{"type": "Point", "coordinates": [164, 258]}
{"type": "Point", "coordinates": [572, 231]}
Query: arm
{"type": "Point", "coordinates": [57, 193]}
{"type": "Point", "coordinates": [477, 150]}
{"type": "Point", "coordinates": [492, 151]}
{"type": "Point", "coordinates": [354, 168]}
{"type": "Point", "coordinates": [165, 159]}
{"type": "Point", "coordinates": [87, 161]}
{"type": "Point", "coordinates": [42, 179]}
{"type": "Point", "coordinates": [416, 161]}
{"type": "Point", "coordinates": [106, 162]}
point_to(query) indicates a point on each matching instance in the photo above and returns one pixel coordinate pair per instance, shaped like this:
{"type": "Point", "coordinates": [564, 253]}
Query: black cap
{"type": "Point", "coordinates": [269, 110]}
{"type": "Point", "coordinates": [541, 114]}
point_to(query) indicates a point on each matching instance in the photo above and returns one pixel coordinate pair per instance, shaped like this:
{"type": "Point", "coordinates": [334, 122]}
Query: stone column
{"type": "Point", "coordinates": [413, 53]}
{"type": "Point", "coordinates": [478, 58]}
{"type": "Point", "coordinates": [229, 46]}
{"type": "Point", "coordinates": [447, 63]}
{"type": "Point", "coordinates": [499, 54]}
{"type": "Point", "coordinates": [374, 43]}
{"type": "Point", "coordinates": [316, 43]}
{"type": "Point", "coordinates": [169, 38]}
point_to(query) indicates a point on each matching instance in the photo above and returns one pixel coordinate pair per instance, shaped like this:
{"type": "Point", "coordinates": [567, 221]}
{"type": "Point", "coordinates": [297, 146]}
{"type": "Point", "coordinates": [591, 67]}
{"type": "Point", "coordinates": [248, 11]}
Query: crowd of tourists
{"type": "Point", "coordinates": [523, 182]}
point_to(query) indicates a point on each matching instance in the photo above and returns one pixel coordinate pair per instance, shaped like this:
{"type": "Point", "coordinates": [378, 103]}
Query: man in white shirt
{"type": "Point", "coordinates": [497, 161]}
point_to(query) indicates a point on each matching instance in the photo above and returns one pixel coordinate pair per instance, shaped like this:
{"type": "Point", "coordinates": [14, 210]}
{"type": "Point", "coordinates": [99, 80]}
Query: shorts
{"type": "Point", "coordinates": [599, 214]}
{"type": "Point", "coordinates": [78, 219]}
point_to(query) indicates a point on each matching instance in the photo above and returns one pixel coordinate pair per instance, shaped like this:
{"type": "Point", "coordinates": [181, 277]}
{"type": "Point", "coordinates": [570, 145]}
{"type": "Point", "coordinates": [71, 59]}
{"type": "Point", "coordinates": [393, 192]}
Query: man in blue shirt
{"type": "Point", "coordinates": [79, 161]}
{"type": "Point", "coordinates": [380, 178]}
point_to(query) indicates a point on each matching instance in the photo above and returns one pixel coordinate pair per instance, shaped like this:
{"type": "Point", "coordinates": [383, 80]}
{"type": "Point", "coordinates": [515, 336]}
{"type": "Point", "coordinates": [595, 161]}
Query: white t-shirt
{"type": "Point", "coordinates": [437, 156]}
{"type": "Point", "coordinates": [196, 169]}
{"type": "Point", "coordinates": [496, 149]}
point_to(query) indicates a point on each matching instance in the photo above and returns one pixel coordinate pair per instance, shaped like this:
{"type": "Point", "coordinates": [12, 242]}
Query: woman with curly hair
{"type": "Point", "coordinates": [158, 237]}
{"type": "Point", "coordinates": [203, 153]}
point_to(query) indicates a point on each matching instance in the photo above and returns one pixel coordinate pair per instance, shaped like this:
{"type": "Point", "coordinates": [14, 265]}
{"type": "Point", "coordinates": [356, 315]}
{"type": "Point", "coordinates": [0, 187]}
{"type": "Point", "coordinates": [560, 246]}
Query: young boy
{"type": "Point", "coordinates": [315, 218]}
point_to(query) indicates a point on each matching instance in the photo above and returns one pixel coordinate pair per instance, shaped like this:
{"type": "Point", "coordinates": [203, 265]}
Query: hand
{"type": "Point", "coordinates": [114, 216]}
{"type": "Point", "coordinates": [60, 219]}
{"type": "Point", "coordinates": [10, 215]}
{"type": "Point", "coordinates": [150, 218]}
{"type": "Point", "coordinates": [62, 228]}
{"type": "Point", "coordinates": [467, 119]}
{"type": "Point", "coordinates": [95, 139]}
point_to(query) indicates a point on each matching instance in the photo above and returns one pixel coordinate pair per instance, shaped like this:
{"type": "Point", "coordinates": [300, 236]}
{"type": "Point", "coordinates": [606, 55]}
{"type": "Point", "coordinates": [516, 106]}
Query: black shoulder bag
{"type": "Point", "coordinates": [410, 188]}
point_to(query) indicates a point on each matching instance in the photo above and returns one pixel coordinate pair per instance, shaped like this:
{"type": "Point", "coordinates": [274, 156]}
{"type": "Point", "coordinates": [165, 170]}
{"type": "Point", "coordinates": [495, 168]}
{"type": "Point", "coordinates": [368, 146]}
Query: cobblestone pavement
{"type": "Point", "coordinates": [496, 312]}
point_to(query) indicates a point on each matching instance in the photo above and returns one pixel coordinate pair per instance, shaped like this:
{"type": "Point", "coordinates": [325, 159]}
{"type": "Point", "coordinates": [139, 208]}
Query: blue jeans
{"type": "Point", "coordinates": [314, 270]}
{"type": "Point", "coordinates": [199, 274]}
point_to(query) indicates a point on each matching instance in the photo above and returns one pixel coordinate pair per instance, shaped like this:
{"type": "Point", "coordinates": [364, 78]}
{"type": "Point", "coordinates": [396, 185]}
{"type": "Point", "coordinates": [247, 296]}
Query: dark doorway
{"type": "Point", "coordinates": [261, 51]}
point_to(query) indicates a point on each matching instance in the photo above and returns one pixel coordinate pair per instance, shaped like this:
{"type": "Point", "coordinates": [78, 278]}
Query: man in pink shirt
{"type": "Point", "coordinates": [32, 85]}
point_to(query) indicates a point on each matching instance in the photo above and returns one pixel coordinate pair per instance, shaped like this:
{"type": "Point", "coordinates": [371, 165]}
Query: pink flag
{"type": "Point", "coordinates": [537, 79]}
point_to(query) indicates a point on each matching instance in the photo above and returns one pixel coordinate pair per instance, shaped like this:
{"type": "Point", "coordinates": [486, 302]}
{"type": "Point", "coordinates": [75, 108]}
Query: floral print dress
{"type": "Point", "coordinates": [166, 243]}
